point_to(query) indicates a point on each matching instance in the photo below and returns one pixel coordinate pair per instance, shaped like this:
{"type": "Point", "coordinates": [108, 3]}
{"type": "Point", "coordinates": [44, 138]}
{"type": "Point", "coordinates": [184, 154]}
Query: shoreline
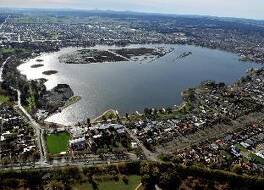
{"type": "Point", "coordinates": [71, 101]}
{"type": "Point", "coordinates": [94, 120]}
{"type": "Point", "coordinates": [68, 103]}
{"type": "Point", "coordinates": [186, 54]}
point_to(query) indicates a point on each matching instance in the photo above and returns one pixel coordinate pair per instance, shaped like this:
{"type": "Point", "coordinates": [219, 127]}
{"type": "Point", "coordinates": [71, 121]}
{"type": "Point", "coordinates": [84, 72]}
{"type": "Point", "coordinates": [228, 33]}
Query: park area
{"type": "Point", "coordinates": [3, 99]}
{"type": "Point", "coordinates": [57, 143]}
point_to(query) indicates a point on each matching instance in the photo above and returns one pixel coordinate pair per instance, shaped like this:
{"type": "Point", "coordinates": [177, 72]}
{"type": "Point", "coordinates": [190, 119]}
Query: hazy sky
{"type": "Point", "coordinates": [234, 8]}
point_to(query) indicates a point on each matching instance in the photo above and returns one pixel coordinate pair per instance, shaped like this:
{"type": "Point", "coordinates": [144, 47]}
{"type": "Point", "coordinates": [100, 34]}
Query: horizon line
{"type": "Point", "coordinates": [128, 11]}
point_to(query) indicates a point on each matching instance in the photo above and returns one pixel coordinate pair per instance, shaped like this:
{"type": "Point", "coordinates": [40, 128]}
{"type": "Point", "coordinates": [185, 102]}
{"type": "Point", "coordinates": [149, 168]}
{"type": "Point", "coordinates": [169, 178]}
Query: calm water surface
{"type": "Point", "coordinates": [132, 86]}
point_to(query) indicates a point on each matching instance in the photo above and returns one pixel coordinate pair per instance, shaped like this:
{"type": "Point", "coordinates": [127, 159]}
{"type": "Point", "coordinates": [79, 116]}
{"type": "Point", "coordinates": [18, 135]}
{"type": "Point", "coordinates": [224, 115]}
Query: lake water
{"type": "Point", "coordinates": [132, 86]}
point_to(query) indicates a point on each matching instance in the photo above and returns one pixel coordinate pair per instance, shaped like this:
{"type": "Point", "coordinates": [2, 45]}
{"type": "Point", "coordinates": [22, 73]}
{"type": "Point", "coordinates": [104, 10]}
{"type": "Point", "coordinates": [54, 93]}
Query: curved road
{"type": "Point", "coordinates": [38, 131]}
{"type": "Point", "coordinates": [2, 68]}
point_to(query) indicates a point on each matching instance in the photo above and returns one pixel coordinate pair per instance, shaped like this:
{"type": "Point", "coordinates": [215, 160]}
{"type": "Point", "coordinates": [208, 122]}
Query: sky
{"type": "Point", "coordinates": [226, 8]}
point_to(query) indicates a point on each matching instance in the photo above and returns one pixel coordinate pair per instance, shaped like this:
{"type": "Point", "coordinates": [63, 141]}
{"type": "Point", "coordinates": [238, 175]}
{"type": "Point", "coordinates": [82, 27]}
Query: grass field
{"type": "Point", "coordinates": [133, 182]}
{"type": "Point", "coordinates": [3, 99]}
{"type": "Point", "coordinates": [256, 158]}
{"type": "Point", "coordinates": [241, 148]}
{"type": "Point", "coordinates": [6, 50]}
{"type": "Point", "coordinates": [58, 143]}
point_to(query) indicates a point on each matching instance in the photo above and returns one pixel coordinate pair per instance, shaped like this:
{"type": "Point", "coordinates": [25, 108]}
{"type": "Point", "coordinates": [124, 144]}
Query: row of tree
{"type": "Point", "coordinates": [165, 175]}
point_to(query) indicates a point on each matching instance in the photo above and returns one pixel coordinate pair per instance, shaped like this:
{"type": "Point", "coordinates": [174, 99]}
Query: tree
{"type": "Point", "coordinates": [88, 122]}
{"type": "Point", "coordinates": [148, 182]}
{"type": "Point", "coordinates": [104, 118]}
{"type": "Point", "coordinates": [237, 169]}
{"type": "Point", "coordinates": [169, 110]}
{"type": "Point", "coordinates": [169, 180]}
{"type": "Point", "coordinates": [150, 173]}
{"type": "Point", "coordinates": [125, 179]}
{"type": "Point", "coordinates": [147, 111]}
{"type": "Point", "coordinates": [54, 185]}
{"type": "Point", "coordinates": [94, 185]}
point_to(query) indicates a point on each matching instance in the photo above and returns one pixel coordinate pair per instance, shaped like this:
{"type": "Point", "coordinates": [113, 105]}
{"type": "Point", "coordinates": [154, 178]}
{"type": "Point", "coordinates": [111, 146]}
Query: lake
{"type": "Point", "coordinates": [134, 85]}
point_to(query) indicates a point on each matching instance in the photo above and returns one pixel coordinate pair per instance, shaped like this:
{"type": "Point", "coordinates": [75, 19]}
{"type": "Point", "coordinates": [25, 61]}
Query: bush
{"type": "Point", "coordinates": [125, 179]}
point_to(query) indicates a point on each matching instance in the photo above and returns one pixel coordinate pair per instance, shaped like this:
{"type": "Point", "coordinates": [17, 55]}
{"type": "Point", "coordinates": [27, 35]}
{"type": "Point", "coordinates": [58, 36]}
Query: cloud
{"type": "Point", "coordinates": [236, 8]}
{"type": "Point", "coordinates": [35, 3]}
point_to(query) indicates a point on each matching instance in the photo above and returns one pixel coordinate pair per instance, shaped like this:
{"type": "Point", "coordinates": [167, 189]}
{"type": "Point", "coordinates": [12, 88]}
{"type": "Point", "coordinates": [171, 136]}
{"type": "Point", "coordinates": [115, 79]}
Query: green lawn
{"type": "Point", "coordinates": [133, 182]}
{"type": "Point", "coordinates": [58, 143]}
{"type": "Point", "coordinates": [31, 101]}
{"type": "Point", "coordinates": [241, 148]}
{"type": "Point", "coordinates": [256, 158]}
{"type": "Point", "coordinates": [7, 50]}
{"type": "Point", "coordinates": [3, 99]}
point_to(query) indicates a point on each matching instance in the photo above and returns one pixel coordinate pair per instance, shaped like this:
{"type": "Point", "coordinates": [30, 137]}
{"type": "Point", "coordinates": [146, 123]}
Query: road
{"type": "Point", "coordinates": [148, 154]}
{"type": "Point", "coordinates": [2, 68]}
{"type": "Point", "coordinates": [39, 131]}
{"type": "Point", "coordinates": [26, 166]}
{"type": "Point", "coordinates": [42, 163]}
{"type": "Point", "coordinates": [118, 55]}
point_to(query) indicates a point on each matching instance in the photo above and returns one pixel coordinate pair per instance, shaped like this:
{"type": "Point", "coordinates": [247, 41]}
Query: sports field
{"type": "Point", "coordinates": [57, 143]}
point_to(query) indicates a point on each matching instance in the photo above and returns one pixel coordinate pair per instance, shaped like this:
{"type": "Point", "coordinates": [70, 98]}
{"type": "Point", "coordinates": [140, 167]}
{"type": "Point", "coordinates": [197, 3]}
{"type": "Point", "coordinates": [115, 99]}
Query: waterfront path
{"type": "Point", "coordinates": [2, 68]}
{"type": "Point", "coordinates": [39, 131]}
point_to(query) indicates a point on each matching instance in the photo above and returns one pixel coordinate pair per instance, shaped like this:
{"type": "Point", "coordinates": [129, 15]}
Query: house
{"type": "Point", "coordinates": [134, 145]}
{"type": "Point", "coordinates": [260, 154]}
{"type": "Point", "coordinates": [235, 151]}
{"type": "Point", "coordinates": [78, 144]}
{"type": "Point", "coordinates": [41, 114]}
{"type": "Point", "coordinates": [245, 145]}
{"type": "Point", "coordinates": [121, 131]}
